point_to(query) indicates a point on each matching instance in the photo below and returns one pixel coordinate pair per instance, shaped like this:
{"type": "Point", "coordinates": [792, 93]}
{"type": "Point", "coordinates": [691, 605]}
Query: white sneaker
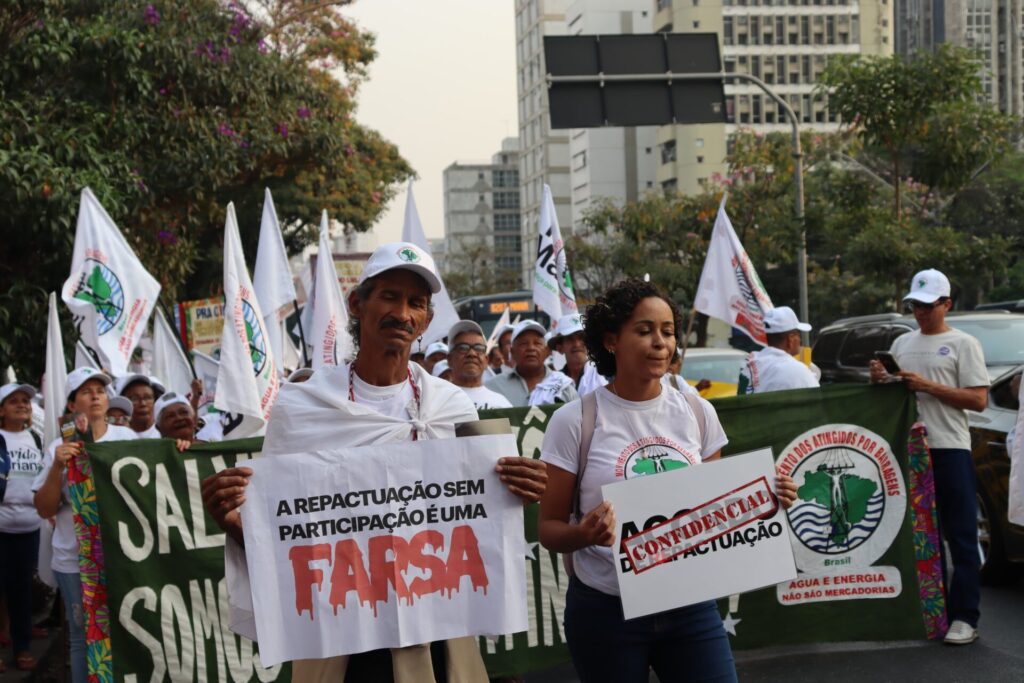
{"type": "Point", "coordinates": [961, 633]}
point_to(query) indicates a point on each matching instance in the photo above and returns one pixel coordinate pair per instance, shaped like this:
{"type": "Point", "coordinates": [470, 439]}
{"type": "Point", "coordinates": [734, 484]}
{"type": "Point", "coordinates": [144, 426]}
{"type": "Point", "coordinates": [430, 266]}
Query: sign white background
{"type": "Point", "coordinates": [284, 634]}
{"type": "Point", "coordinates": [696, 578]}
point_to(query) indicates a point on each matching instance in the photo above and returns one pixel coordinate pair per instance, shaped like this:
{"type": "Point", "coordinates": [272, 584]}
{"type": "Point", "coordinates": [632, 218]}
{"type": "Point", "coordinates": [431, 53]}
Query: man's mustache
{"type": "Point", "coordinates": [397, 324]}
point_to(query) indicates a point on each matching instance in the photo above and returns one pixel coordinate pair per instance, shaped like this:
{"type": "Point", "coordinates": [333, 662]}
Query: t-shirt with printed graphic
{"type": "Point", "coordinates": [631, 439]}
{"type": "Point", "coordinates": [17, 512]}
{"type": "Point", "coordinates": [952, 358]}
{"type": "Point", "coordinates": [485, 399]}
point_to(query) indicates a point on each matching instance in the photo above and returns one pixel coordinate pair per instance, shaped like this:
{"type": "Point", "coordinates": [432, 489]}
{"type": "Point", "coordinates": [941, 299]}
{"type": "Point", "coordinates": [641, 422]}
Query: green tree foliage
{"type": "Point", "coordinates": [168, 111]}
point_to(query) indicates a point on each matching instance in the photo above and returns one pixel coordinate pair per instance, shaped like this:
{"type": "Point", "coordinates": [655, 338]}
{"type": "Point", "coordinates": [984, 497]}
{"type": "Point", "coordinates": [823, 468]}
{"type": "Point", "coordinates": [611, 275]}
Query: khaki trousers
{"type": "Point", "coordinates": [409, 664]}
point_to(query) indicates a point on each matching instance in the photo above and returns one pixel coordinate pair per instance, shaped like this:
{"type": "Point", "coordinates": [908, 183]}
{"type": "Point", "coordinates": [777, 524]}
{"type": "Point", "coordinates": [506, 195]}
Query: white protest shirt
{"type": "Point", "coordinates": [772, 369]}
{"type": "Point", "coordinates": [17, 512]}
{"type": "Point", "coordinates": [485, 399]}
{"type": "Point", "coordinates": [555, 387]}
{"type": "Point", "coordinates": [631, 439]}
{"type": "Point", "coordinates": [952, 358]}
{"type": "Point", "coordinates": [318, 415]}
{"type": "Point", "coordinates": [151, 433]}
{"type": "Point", "coordinates": [65, 545]}
{"type": "Point", "coordinates": [591, 379]}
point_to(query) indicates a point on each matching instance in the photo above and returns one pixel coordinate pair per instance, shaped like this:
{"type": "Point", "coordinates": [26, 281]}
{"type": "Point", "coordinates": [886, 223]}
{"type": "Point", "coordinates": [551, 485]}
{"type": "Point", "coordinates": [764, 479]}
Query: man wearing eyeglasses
{"type": "Point", "coordinates": [946, 368]}
{"type": "Point", "coordinates": [467, 360]}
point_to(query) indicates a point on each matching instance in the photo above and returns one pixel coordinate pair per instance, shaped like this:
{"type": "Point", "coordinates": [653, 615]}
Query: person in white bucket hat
{"type": "Point", "coordinates": [774, 367]}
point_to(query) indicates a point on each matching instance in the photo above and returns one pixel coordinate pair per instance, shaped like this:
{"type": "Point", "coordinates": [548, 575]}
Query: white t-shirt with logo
{"type": "Point", "coordinates": [18, 512]}
{"type": "Point", "coordinates": [952, 358]}
{"type": "Point", "coordinates": [485, 399]}
{"type": "Point", "coordinates": [631, 439]}
{"type": "Point", "coordinates": [65, 546]}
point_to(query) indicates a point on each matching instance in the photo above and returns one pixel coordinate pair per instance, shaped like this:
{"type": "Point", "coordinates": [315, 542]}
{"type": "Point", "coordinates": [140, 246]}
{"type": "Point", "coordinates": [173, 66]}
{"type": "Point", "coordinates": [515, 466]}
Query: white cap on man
{"type": "Point", "coordinates": [121, 403]}
{"type": "Point", "coordinates": [124, 381]}
{"type": "Point", "coordinates": [528, 326]}
{"type": "Point", "coordinates": [783, 319]}
{"type": "Point", "coordinates": [462, 327]}
{"type": "Point", "coordinates": [565, 326]}
{"type": "Point", "coordinates": [436, 347]}
{"type": "Point", "coordinates": [928, 286]}
{"type": "Point", "coordinates": [440, 367]}
{"type": "Point", "coordinates": [80, 376]}
{"type": "Point", "coordinates": [166, 401]}
{"type": "Point", "coordinates": [8, 389]}
{"type": "Point", "coordinates": [403, 255]}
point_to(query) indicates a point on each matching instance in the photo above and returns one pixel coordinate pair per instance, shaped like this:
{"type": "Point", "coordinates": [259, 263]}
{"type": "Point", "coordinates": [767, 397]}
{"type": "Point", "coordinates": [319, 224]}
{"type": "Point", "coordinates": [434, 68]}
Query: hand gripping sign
{"type": "Point", "coordinates": [699, 533]}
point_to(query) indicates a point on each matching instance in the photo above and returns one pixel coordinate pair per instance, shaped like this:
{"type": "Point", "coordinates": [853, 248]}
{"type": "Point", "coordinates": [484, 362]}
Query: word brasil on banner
{"type": "Point", "coordinates": [345, 558]}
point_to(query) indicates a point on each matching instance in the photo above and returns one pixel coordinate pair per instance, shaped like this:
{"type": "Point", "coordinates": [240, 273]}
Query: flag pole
{"type": "Point", "coordinates": [302, 335]}
{"type": "Point", "coordinates": [686, 338]}
{"type": "Point", "coordinates": [181, 342]}
{"type": "Point", "coordinates": [95, 356]}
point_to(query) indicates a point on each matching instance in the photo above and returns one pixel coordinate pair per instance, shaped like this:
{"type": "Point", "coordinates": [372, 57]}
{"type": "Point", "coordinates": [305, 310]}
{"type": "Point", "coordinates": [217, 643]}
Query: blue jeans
{"type": "Point", "coordinates": [684, 644]}
{"type": "Point", "coordinates": [957, 500]}
{"type": "Point", "coordinates": [20, 553]}
{"type": "Point", "coordinates": [71, 590]}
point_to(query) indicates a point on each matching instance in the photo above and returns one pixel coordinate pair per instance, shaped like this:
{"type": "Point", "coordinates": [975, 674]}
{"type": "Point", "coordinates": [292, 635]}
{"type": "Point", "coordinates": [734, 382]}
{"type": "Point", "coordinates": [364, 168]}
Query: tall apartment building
{"type": "Point", "coordinates": [992, 28]}
{"type": "Point", "coordinates": [610, 163]}
{"type": "Point", "coordinates": [543, 153]}
{"type": "Point", "coordinates": [482, 208]}
{"type": "Point", "coordinates": [783, 42]}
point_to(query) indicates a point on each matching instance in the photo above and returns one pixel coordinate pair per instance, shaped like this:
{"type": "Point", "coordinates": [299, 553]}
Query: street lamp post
{"type": "Point", "coordinates": [798, 157]}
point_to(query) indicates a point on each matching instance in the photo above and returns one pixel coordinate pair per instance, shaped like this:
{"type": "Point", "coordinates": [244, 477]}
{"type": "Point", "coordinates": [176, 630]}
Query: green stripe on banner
{"type": "Point", "coordinates": [164, 556]}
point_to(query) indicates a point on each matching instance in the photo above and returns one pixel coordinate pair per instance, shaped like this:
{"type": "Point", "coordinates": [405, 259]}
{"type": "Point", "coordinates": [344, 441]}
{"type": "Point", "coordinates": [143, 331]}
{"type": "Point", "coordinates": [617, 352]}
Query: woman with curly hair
{"type": "Point", "coordinates": [632, 332]}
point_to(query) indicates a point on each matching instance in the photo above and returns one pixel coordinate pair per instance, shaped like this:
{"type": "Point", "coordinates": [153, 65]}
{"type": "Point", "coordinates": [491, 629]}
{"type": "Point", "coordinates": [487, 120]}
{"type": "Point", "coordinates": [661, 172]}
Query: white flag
{"type": "Point", "coordinates": [169, 361]}
{"type": "Point", "coordinates": [272, 278]}
{"type": "Point", "coordinates": [729, 288]}
{"type": "Point", "coordinates": [109, 292]}
{"type": "Point", "coordinates": [247, 382]}
{"type": "Point", "coordinates": [330, 339]}
{"type": "Point", "coordinates": [444, 311]}
{"type": "Point", "coordinates": [56, 375]}
{"type": "Point", "coordinates": [492, 341]}
{"type": "Point", "coordinates": [552, 282]}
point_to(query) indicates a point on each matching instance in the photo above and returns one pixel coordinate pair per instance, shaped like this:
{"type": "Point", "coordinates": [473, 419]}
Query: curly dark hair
{"type": "Point", "coordinates": [611, 311]}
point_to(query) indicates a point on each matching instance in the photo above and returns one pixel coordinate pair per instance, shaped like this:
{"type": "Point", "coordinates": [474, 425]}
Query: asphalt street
{"type": "Point", "coordinates": [997, 656]}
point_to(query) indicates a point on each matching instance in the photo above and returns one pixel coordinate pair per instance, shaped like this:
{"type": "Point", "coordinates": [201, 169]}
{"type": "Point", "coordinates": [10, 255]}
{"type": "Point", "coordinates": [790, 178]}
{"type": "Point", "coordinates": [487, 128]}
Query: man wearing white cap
{"type": "Point", "coordinates": [567, 338]}
{"type": "Point", "coordinates": [142, 392]}
{"type": "Point", "coordinates": [86, 393]}
{"type": "Point", "coordinates": [774, 367]}
{"type": "Point", "coordinates": [505, 347]}
{"type": "Point", "coordinates": [379, 397]}
{"type": "Point", "coordinates": [119, 411]}
{"type": "Point", "coordinates": [435, 353]}
{"type": "Point", "coordinates": [175, 418]}
{"type": "Point", "coordinates": [946, 367]}
{"type": "Point", "coordinates": [467, 363]}
{"type": "Point", "coordinates": [528, 353]}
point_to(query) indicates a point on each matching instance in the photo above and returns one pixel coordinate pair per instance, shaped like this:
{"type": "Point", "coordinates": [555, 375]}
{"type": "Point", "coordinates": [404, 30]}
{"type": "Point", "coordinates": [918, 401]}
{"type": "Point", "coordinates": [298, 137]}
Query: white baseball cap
{"type": "Point", "coordinates": [528, 326]}
{"type": "Point", "coordinates": [462, 327]}
{"type": "Point", "coordinates": [121, 403]}
{"type": "Point", "coordinates": [783, 319]}
{"type": "Point", "coordinates": [405, 255]}
{"type": "Point", "coordinates": [168, 400]}
{"type": "Point", "coordinates": [565, 326]}
{"type": "Point", "coordinates": [928, 286]}
{"type": "Point", "coordinates": [158, 386]}
{"type": "Point", "coordinates": [8, 389]}
{"type": "Point", "coordinates": [439, 368]}
{"type": "Point", "coordinates": [436, 347]}
{"type": "Point", "coordinates": [122, 382]}
{"type": "Point", "coordinates": [82, 375]}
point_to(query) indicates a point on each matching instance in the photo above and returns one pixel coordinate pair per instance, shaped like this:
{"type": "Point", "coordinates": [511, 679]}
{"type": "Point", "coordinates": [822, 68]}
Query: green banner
{"type": "Point", "coordinates": [845, 445]}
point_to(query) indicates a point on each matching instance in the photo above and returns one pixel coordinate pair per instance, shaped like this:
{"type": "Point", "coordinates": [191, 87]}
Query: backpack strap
{"type": "Point", "coordinates": [588, 425]}
{"type": "Point", "coordinates": [698, 412]}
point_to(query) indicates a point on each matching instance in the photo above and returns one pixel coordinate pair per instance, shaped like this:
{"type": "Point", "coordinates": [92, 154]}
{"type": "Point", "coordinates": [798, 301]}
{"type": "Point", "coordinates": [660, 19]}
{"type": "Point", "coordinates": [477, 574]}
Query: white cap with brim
{"type": "Point", "coordinates": [82, 375]}
{"type": "Point", "coordinates": [783, 319]}
{"type": "Point", "coordinates": [402, 255]}
{"type": "Point", "coordinates": [125, 380]}
{"type": "Point", "coordinates": [565, 326]}
{"type": "Point", "coordinates": [121, 403]}
{"type": "Point", "coordinates": [439, 368]}
{"type": "Point", "coordinates": [158, 386]}
{"type": "Point", "coordinates": [436, 347]}
{"type": "Point", "coordinates": [528, 326]}
{"type": "Point", "coordinates": [928, 286]}
{"type": "Point", "coordinates": [462, 327]}
{"type": "Point", "coordinates": [166, 401]}
{"type": "Point", "coordinates": [8, 389]}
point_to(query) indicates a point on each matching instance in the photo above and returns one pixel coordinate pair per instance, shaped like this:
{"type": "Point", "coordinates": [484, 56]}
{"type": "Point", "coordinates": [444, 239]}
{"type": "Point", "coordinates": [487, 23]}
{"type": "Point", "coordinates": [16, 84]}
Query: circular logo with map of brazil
{"type": "Point", "coordinates": [851, 497]}
{"type": "Point", "coordinates": [254, 335]}
{"type": "Point", "coordinates": [651, 455]}
{"type": "Point", "coordinates": [100, 287]}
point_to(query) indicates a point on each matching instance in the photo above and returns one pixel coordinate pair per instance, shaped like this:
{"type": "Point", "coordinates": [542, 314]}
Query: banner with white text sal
{"type": "Point", "coordinates": [730, 503]}
{"type": "Point", "coordinates": [164, 564]}
{"type": "Point", "coordinates": [377, 547]}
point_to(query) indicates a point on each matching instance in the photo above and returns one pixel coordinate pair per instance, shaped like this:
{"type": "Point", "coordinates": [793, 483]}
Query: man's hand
{"type": "Point", "coordinates": [223, 494]}
{"type": "Point", "coordinates": [916, 382]}
{"type": "Point", "coordinates": [182, 445]}
{"type": "Point", "coordinates": [785, 489]}
{"type": "Point", "coordinates": [598, 526]}
{"type": "Point", "coordinates": [525, 477]}
{"type": "Point", "coordinates": [878, 372]}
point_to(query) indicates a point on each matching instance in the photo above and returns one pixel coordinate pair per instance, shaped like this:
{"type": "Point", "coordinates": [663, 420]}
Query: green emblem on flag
{"type": "Point", "coordinates": [101, 288]}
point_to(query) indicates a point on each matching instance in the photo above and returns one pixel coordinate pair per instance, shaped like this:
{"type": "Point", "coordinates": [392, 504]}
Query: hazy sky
{"type": "Point", "coordinates": [443, 88]}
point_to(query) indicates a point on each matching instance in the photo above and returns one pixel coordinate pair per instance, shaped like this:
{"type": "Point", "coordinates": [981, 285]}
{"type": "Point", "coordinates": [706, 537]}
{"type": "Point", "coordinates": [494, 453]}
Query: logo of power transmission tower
{"type": "Point", "coordinates": [101, 288]}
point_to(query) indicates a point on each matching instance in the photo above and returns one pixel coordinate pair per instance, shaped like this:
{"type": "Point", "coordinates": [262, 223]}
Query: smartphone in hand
{"type": "Point", "coordinates": [888, 361]}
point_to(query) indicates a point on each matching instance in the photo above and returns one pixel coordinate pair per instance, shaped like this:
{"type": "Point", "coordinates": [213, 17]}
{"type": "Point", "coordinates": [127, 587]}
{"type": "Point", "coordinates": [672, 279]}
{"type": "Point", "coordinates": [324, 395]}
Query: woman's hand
{"type": "Point", "coordinates": [598, 526]}
{"type": "Point", "coordinates": [65, 452]}
{"type": "Point", "coordinates": [785, 489]}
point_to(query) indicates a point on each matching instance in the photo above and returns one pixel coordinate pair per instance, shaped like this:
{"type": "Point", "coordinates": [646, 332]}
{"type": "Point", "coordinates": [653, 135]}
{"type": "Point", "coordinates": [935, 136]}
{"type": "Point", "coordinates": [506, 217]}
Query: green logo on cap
{"type": "Point", "coordinates": [408, 255]}
{"type": "Point", "coordinates": [921, 283]}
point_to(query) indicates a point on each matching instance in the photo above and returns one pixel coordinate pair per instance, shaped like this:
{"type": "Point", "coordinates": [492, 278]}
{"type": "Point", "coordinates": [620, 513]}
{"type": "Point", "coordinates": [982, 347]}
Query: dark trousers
{"type": "Point", "coordinates": [957, 501]}
{"type": "Point", "coordinates": [20, 553]}
{"type": "Point", "coordinates": [684, 644]}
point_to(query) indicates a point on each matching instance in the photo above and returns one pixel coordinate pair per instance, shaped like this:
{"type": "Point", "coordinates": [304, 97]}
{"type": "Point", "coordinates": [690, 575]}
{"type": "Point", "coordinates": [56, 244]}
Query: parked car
{"type": "Point", "coordinates": [843, 350]}
{"type": "Point", "coordinates": [720, 366]}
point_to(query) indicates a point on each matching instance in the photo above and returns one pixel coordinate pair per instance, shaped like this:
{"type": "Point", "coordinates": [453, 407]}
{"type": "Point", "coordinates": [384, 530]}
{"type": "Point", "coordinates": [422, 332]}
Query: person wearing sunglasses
{"type": "Point", "coordinates": [467, 360]}
{"type": "Point", "coordinates": [946, 369]}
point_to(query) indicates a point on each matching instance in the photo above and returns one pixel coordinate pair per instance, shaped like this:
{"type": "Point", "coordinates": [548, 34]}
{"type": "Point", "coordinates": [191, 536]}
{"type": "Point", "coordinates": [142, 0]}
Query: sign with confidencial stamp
{"type": "Point", "coordinates": [699, 533]}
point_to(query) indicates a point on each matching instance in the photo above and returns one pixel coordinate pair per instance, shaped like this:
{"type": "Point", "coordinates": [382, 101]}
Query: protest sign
{"type": "Point", "coordinates": [376, 547]}
{"type": "Point", "coordinates": [204, 322]}
{"type": "Point", "coordinates": [707, 532]}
